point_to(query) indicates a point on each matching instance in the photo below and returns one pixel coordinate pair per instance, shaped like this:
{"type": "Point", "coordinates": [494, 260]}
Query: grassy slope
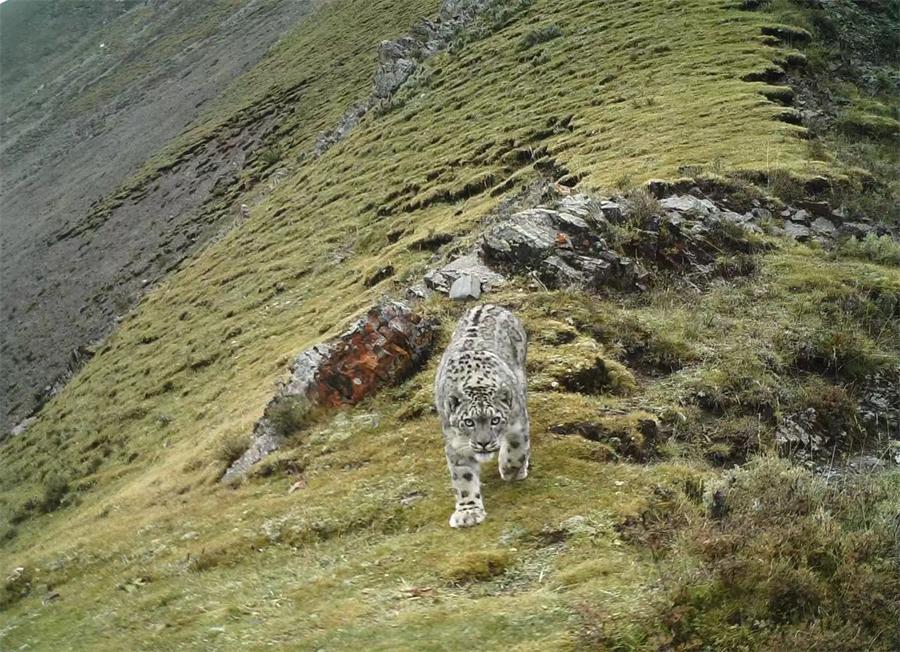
{"type": "Point", "coordinates": [157, 553]}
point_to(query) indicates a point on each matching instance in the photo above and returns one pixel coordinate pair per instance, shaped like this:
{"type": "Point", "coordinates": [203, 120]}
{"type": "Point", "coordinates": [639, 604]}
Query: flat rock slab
{"type": "Point", "coordinates": [688, 204]}
{"type": "Point", "coordinates": [465, 287]}
{"type": "Point", "coordinates": [441, 280]}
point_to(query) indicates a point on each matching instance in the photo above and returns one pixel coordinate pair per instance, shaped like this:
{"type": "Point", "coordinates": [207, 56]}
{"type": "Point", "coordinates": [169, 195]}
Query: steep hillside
{"type": "Point", "coordinates": [80, 117]}
{"type": "Point", "coordinates": [633, 531]}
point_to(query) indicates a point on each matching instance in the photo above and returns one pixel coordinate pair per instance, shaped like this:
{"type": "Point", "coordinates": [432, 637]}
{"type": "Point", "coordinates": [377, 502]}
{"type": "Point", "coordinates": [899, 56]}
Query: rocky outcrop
{"type": "Point", "coordinates": [591, 244]}
{"type": "Point", "coordinates": [382, 348]}
{"type": "Point", "coordinates": [468, 269]}
{"type": "Point", "coordinates": [399, 59]}
{"type": "Point", "coordinates": [563, 247]}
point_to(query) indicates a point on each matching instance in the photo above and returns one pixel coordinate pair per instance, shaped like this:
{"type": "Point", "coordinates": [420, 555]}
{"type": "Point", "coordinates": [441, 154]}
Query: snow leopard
{"type": "Point", "coordinates": [480, 396]}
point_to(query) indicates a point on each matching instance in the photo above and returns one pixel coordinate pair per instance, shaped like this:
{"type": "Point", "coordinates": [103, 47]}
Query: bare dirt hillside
{"type": "Point", "coordinates": [78, 121]}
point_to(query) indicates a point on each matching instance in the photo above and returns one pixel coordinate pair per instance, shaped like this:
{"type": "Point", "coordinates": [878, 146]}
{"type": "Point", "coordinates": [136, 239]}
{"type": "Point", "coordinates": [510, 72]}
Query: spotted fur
{"type": "Point", "coordinates": [480, 395]}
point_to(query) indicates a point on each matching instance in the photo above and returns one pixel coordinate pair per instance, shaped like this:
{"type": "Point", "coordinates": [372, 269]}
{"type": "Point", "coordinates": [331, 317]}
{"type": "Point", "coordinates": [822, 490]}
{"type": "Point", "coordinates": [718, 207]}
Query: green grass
{"type": "Point", "coordinates": [146, 548]}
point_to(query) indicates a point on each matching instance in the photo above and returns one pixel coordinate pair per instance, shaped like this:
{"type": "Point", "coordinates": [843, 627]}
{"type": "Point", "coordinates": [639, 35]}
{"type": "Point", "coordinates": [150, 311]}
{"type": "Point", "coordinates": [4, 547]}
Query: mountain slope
{"type": "Point", "coordinates": [77, 124]}
{"type": "Point", "coordinates": [144, 546]}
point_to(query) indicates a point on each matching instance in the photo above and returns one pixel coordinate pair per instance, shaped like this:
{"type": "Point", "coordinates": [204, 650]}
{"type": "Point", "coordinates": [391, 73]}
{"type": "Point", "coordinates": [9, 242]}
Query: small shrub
{"type": "Point", "coordinates": [540, 35]}
{"type": "Point", "coordinates": [207, 559]}
{"type": "Point", "coordinates": [8, 533]}
{"type": "Point", "coordinates": [55, 491]}
{"type": "Point", "coordinates": [861, 123]}
{"type": "Point", "coordinates": [785, 186]}
{"type": "Point", "coordinates": [271, 155]}
{"type": "Point", "coordinates": [23, 512]}
{"type": "Point", "coordinates": [840, 351]}
{"type": "Point", "coordinates": [289, 414]}
{"type": "Point", "coordinates": [741, 384]}
{"type": "Point", "coordinates": [879, 249]}
{"type": "Point", "coordinates": [15, 587]}
{"type": "Point", "coordinates": [643, 205]}
{"type": "Point", "coordinates": [634, 436]}
{"type": "Point", "coordinates": [232, 448]}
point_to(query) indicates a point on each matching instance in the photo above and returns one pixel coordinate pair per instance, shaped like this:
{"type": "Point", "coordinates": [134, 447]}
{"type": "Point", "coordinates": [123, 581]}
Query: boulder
{"type": "Point", "coordinates": [817, 208]}
{"type": "Point", "coordinates": [523, 241]}
{"type": "Point", "coordinates": [688, 204]}
{"type": "Point", "coordinates": [798, 232]}
{"type": "Point", "coordinates": [801, 217]}
{"type": "Point", "coordinates": [441, 280]}
{"type": "Point", "coordinates": [822, 226]}
{"type": "Point", "coordinates": [465, 287]}
{"type": "Point", "coordinates": [612, 211]}
{"type": "Point", "coordinates": [736, 218]}
{"type": "Point", "coordinates": [22, 426]}
{"type": "Point", "coordinates": [561, 248]}
{"type": "Point", "coordinates": [382, 348]}
{"type": "Point", "coordinates": [858, 230]}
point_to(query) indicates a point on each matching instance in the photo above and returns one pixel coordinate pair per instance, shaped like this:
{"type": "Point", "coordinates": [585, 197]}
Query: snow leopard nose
{"type": "Point", "coordinates": [483, 445]}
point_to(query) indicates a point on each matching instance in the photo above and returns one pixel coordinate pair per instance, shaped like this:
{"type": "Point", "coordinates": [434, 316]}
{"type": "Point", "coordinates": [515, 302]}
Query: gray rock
{"type": "Point", "coordinates": [462, 10]}
{"type": "Point", "coordinates": [391, 75]}
{"type": "Point", "coordinates": [857, 230]}
{"type": "Point", "coordinates": [688, 204]}
{"type": "Point", "coordinates": [523, 241]}
{"type": "Point", "coordinates": [822, 226]}
{"type": "Point", "coordinates": [417, 292]}
{"type": "Point", "coordinates": [817, 208]}
{"type": "Point", "coordinates": [265, 441]}
{"type": "Point", "coordinates": [557, 273]}
{"type": "Point", "coordinates": [673, 219]}
{"type": "Point", "coordinates": [762, 213]}
{"type": "Point", "coordinates": [465, 287]}
{"type": "Point", "coordinates": [737, 218]}
{"type": "Point", "coordinates": [580, 205]}
{"type": "Point", "coordinates": [304, 368]}
{"type": "Point", "coordinates": [441, 280]}
{"type": "Point", "coordinates": [22, 426]}
{"type": "Point", "coordinates": [612, 211]}
{"type": "Point", "coordinates": [801, 217]}
{"type": "Point", "coordinates": [561, 247]}
{"type": "Point", "coordinates": [798, 232]}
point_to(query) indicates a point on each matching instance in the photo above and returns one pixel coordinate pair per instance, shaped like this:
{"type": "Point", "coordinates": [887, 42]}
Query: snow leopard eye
{"type": "Point", "coordinates": [468, 423]}
{"type": "Point", "coordinates": [495, 421]}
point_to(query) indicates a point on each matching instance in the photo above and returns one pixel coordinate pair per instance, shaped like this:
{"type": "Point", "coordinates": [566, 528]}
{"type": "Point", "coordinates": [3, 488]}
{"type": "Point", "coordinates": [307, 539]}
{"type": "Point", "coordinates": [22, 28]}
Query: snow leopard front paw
{"type": "Point", "coordinates": [511, 473]}
{"type": "Point", "coordinates": [467, 516]}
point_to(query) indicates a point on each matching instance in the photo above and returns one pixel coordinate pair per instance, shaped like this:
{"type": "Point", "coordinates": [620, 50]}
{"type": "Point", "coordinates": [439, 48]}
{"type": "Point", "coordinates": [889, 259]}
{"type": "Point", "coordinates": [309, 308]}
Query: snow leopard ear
{"type": "Point", "coordinates": [504, 395]}
{"type": "Point", "coordinates": [453, 403]}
